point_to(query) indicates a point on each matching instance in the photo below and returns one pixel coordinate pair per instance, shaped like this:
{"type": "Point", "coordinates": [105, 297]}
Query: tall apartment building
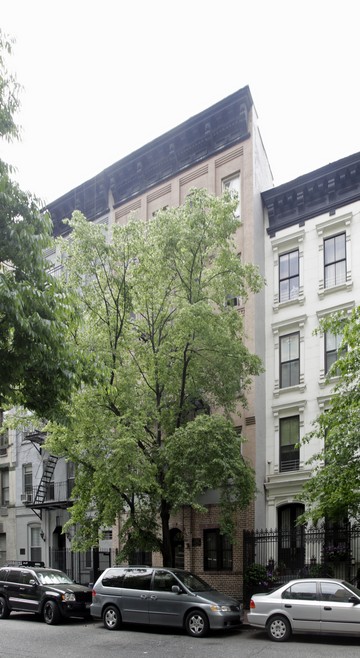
{"type": "Point", "coordinates": [312, 270]}
{"type": "Point", "coordinates": [216, 149]}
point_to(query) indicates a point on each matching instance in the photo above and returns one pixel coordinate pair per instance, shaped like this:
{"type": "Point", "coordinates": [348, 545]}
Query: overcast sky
{"type": "Point", "coordinates": [102, 78]}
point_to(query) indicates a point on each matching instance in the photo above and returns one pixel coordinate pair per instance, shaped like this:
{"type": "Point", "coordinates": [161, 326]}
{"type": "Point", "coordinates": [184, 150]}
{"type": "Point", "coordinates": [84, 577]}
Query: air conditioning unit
{"type": "Point", "coordinates": [26, 498]}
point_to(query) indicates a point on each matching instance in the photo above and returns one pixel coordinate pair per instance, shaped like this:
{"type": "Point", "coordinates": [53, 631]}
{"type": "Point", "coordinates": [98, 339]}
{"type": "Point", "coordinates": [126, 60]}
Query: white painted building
{"type": "Point", "coordinates": [312, 270]}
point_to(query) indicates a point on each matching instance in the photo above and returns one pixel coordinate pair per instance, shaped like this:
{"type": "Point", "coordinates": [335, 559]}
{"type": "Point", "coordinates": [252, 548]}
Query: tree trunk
{"type": "Point", "coordinates": [166, 544]}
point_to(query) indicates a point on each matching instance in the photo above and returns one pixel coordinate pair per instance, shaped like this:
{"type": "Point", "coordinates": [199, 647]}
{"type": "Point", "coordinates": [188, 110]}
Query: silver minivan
{"type": "Point", "coordinates": [164, 597]}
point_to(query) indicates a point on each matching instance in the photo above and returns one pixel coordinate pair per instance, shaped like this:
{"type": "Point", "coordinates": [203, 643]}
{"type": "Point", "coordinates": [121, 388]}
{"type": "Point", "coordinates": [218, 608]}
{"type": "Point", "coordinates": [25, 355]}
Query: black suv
{"type": "Point", "coordinates": [30, 587]}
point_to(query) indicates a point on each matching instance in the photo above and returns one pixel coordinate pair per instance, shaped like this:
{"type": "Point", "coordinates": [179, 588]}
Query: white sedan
{"type": "Point", "coordinates": [311, 605]}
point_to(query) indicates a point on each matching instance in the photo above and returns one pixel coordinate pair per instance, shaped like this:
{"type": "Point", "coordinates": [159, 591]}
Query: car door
{"type": "Point", "coordinates": [301, 603]}
{"type": "Point", "coordinates": [338, 614]}
{"type": "Point", "coordinates": [135, 596]}
{"type": "Point", "coordinates": [166, 607]}
{"type": "Point", "coordinates": [13, 592]}
{"type": "Point", "coordinates": [28, 592]}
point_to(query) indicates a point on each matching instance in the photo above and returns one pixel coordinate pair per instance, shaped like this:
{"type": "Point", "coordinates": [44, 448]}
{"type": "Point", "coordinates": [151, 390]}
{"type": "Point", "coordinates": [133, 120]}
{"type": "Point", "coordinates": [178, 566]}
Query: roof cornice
{"type": "Point", "coordinates": [219, 127]}
{"type": "Point", "coordinates": [316, 193]}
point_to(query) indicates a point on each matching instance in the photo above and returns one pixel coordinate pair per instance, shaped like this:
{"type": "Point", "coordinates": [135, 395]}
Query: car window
{"type": "Point", "coordinates": [26, 577]}
{"type": "Point", "coordinates": [163, 581]}
{"type": "Point", "coordinates": [3, 574]}
{"type": "Point", "coordinates": [137, 579]}
{"type": "Point", "coordinates": [113, 578]}
{"type": "Point", "coordinates": [48, 577]}
{"type": "Point", "coordinates": [15, 576]}
{"type": "Point", "coordinates": [301, 591]}
{"type": "Point", "coordinates": [334, 592]}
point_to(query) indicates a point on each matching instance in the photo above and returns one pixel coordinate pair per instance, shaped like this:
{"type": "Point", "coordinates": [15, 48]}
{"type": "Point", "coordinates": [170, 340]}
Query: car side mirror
{"type": "Point", "coordinates": [176, 589]}
{"type": "Point", "coordinates": [354, 600]}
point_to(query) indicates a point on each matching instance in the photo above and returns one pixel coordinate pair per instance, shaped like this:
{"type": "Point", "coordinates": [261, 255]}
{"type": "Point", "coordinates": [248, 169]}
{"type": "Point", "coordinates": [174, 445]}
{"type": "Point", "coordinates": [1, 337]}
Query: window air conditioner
{"type": "Point", "coordinates": [26, 498]}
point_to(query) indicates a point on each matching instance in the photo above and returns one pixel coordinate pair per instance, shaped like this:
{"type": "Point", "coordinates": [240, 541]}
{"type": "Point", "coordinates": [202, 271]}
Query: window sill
{"type": "Point", "coordinates": [323, 292]}
{"type": "Point", "coordinates": [298, 301]}
{"type": "Point", "coordinates": [299, 388]}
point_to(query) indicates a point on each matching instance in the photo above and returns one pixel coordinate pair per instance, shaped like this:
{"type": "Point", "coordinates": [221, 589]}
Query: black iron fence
{"type": "Point", "coordinates": [84, 567]}
{"type": "Point", "coordinates": [277, 556]}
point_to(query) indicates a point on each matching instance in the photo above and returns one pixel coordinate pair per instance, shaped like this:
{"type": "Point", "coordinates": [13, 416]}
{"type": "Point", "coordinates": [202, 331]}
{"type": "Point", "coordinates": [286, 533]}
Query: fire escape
{"type": "Point", "coordinates": [47, 495]}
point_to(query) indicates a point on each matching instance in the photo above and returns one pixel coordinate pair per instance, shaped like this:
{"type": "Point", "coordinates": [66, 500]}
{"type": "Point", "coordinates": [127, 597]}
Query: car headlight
{"type": "Point", "coordinates": [68, 596]}
{"type": "Point", "coordinates": [220, 608]}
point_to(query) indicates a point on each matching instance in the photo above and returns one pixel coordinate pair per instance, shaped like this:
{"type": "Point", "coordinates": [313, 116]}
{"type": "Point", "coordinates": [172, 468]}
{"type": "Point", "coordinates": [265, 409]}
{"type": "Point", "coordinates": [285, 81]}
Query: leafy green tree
{"type": "Point", "coordinates": [333, 491]}
{"type": "Point", "coordinates": [36, 371]}
{"type": "Point", "coordinates": [163, 348]}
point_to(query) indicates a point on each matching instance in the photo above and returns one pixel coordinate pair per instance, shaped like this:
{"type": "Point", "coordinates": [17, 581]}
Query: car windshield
{"type": "Point", "coordinates": [49, 577]}
{"type": "Point", "coordinates": [192, 582]}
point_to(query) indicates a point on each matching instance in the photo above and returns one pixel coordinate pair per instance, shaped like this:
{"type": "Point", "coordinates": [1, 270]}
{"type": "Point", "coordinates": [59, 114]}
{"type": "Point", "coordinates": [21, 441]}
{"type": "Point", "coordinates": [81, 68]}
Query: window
{"type": "Point", "coordinates": [289, 439]}
{"type": "Point", "coordinates": [164, 580]}
{"type": "Point", "coordinates": [113, 578]}
{"type": "Point", "coordinates": [4, 481]}
{"type": "Point", "coordinates": [289, 360]}
{"type": "Point", "coordinates": [139, 579]}
{"type": "Point", "coordinates": [27, 479]}
{"type": "Point", "coordinates": [217, 551]}
{"type": "Point", "coordinates": [334, 260]}
{"type": "Point", "coordinates": [230, 299]}
{"type": "Point", "coordinates": [334, 592]}
{"type": "Point", "coordinates": [332, 352]}
{"type": "Point", "coordinates": [4, 441]}
{"type": "Point", "coordinates": [70, 467]}
{"type": "Point", "coordinates": [289, 276]}
{"type": "Point", "coordinates": [301, 591]}
{"type": "Point", "coordinates": [233, 185]}
{"type": "Point", "coordinates": [35, 546]}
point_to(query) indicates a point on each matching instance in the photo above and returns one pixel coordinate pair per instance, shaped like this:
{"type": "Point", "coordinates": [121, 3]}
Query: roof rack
{"type": "Point", "coordinates": [31, 563]}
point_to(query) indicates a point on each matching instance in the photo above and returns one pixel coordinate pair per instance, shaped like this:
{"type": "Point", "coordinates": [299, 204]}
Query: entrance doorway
{"type": "Point", "coordinates": [177, 548]}
{"type": "Point", "coordinates": [291, 548]}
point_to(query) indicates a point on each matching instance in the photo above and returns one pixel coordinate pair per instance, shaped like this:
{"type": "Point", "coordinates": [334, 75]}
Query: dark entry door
{"type": "Point", "coordinates": [177, 548]}
{"type": "Point", "coordinates": [291, 549]}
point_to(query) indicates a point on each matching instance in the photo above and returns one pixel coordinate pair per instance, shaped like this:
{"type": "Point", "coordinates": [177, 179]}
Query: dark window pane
{"type": "Point", "coordinates": [218, 552]}
{"type": "Point", "coordinates": [137, 580]}
{"type": "Point", "coordinates": [289, 276]}
{"type": "Point", "coordinates": [335, 260]}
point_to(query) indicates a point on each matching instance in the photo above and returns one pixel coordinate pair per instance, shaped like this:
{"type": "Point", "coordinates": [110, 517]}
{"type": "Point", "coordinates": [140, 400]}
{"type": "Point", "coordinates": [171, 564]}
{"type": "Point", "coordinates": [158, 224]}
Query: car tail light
{"type": "Point", "coordinates": [93, 593]}
{"type": "Point", "coordinates": [252, 604]}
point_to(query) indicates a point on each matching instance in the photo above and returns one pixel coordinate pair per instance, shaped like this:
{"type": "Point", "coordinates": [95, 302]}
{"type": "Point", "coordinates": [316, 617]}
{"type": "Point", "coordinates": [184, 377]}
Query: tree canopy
{"type": "Point", "coordinates": [333, 491]}
{"type": "Point", "coordinates": [35, 317]}
{"type": "Point", "coordinates": [163, 349]}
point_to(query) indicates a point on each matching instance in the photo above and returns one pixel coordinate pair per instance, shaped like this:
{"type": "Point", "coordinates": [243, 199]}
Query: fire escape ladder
{"type": "Point", "coordinates": [43, 488]}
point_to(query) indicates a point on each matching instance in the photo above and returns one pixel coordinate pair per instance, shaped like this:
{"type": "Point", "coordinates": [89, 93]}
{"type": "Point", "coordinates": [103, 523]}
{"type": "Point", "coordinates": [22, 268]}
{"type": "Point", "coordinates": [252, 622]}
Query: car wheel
{"type": "Point", "coordinates": [51, 613]}
{"type": "Point", "coordinates": [4, 610]}
{"type": "Point", "coordinates": [278, 628]}
{"type": "Point", "coordinates": [112, 618]}
{"type": "Point", "coordinates": [197, 624]}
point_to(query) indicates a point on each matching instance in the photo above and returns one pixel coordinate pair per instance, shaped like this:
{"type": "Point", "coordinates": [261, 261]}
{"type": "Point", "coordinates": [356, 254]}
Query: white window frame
{"type": "Point", "coordinates": [328, 229]}
{"type": "Point", "coordinates": [281, 246]}
{"type": "Point", "coordinates": [341, 308]}
{"type": "Point", "coordinates": [285, 411]}
{"type": "Point", "coordinates": [233, 184]}
{"type": "Point", "coordinates": [33, 535]}
{"type": "Point", "coordinates": [4, 487]}
{"type": "Point", "coordinates": [280, 329]}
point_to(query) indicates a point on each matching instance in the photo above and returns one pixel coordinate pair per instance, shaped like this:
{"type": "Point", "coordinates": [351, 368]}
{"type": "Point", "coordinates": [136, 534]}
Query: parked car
{"type": "Point", "coordinates": [164, 597]}
{"type": "Point", "coordinates": [30, 587]}
{"type": "Point", "coordinates": [311, 605]}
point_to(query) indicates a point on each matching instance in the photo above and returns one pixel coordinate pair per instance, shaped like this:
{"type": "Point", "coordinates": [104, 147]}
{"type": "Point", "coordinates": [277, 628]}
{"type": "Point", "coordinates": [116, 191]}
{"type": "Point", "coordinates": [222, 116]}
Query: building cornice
{"type": "Point", "coordinates": [217, 128]}
{"type": "Point", "coordinates": [318, 192]}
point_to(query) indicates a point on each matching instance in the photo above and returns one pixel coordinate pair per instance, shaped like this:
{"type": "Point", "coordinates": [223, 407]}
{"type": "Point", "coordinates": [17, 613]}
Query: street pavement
{"type": "Point", "coordinates": [24, 636]}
